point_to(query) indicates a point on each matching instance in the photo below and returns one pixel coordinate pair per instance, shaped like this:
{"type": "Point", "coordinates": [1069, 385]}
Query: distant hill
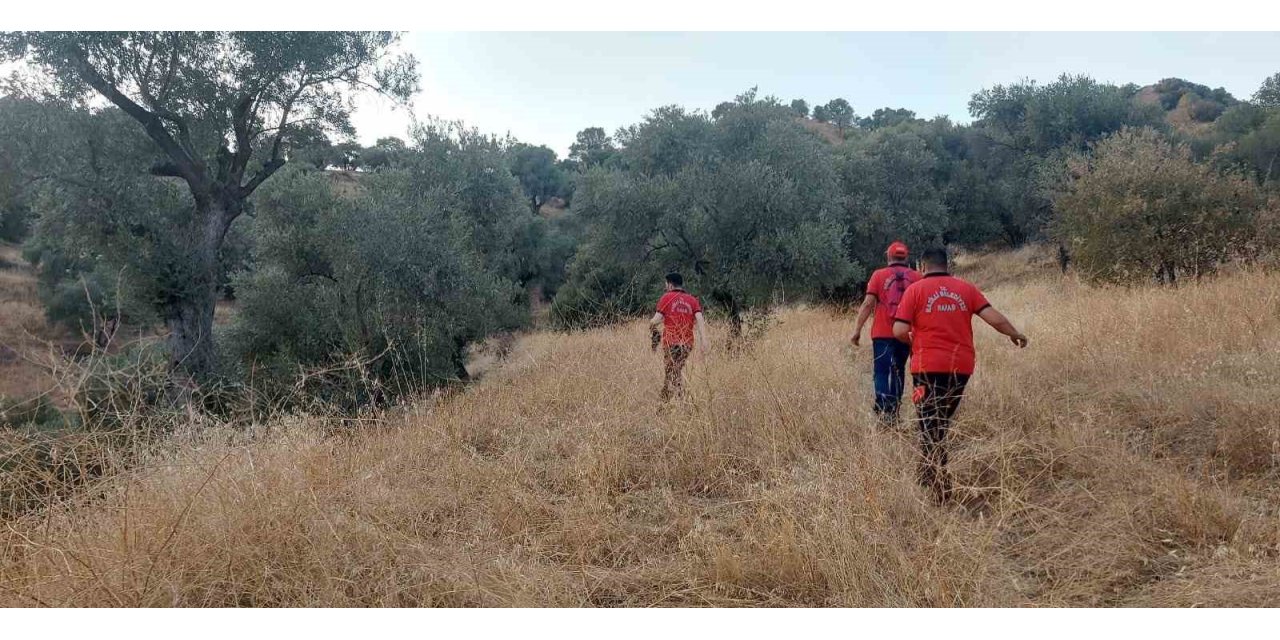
{"type": "Point", "coordinates": [828, 131]}
{"type": "Point", "coordinates": [1188, 107]}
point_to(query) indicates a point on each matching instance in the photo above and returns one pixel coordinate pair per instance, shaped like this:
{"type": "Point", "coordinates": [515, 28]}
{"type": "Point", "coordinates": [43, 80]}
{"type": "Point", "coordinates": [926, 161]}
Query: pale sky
{"type": "Point", "coordinates": [545, 87]}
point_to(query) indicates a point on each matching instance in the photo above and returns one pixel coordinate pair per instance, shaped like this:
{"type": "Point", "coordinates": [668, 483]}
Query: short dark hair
{"type": "Point", "coordinates": [935, 257]}
{"type": "Point", "coordinates": [675, 279]}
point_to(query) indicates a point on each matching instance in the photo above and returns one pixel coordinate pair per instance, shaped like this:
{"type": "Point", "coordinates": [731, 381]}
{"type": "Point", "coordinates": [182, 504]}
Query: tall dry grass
{"type": "Point", "coordinates": [1128, 457]}
{"type": "Point", "coordinates": [23, 331]}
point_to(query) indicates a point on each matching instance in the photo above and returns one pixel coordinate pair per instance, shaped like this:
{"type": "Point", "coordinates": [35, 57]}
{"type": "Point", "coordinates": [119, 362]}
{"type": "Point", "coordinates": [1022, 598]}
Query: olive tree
{"type": "Point", "coordinates": [538, 172]}
{"type": "Point", "coordinates": [889, 183]}
{"type": "Point", "coordinates": [746, 205]}
{"type": "Point", "coordinates": [1138, 208]}
{"type": "Point", "coordinates": [840, 113]}
{"type": "Point", "coordinates": [1268, 95]}
{"type": "Point", "coordinates": [217, 106]}
{"type": "Point", "coordinates": [390, 278]}
{"type": "Point", "coordinates": [800, 107]}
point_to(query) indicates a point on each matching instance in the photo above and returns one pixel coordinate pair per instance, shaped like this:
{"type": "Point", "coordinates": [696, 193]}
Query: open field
{"type": "Point", "coordinates": [1129, 456]}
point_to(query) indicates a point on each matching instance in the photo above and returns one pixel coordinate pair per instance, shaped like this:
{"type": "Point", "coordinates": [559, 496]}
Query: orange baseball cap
{"type": "Point", "coordinates": [897, 250]}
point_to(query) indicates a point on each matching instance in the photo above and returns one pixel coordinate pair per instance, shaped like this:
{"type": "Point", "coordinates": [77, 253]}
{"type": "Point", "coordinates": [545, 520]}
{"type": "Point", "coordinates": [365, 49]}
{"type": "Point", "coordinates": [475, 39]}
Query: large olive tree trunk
{"type": "Point", "coordinates": [189, 311]}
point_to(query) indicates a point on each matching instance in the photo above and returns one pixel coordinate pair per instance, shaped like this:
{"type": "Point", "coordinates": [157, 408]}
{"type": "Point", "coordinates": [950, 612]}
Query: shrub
{"type": "Point", "coordinates": [382, 292]}
{"type": "Point", "coordinates": [1139, 208]}
{"type": "Point", "coordinates": [36, 412]}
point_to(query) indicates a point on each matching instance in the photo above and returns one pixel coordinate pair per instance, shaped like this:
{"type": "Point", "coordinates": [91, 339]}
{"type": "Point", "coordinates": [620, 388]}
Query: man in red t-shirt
{"type": "Point", "coordinates": [934, 317]}
{"type": "Point", "coordinates": [680, 315]}
{"type": "Point", "coordinates": [889, 356]}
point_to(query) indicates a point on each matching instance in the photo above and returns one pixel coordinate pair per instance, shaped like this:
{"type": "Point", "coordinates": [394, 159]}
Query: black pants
{"type": "Point", "coordinates": [937, 397]}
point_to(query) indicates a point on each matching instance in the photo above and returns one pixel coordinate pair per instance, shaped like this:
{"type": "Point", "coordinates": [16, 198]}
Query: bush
{"type": "Point", "coordinates": [1139, 208]}
{"type": "Point", "coordinates": [360, 301]}
{"type": "Point", "coordinates": [37, 412]}
{"type": "Point", "coordinates": [127, 394]}
{"type": "Point", "coordinates": [1202, 110]}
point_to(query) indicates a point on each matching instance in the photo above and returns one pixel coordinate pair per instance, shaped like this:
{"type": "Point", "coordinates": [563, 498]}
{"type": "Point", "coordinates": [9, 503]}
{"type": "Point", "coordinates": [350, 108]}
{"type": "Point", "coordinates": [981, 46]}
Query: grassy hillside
{"type": "Point", "coordinates": [1128, 457]}
{"type": "Point", "coordinates": [24, 335]}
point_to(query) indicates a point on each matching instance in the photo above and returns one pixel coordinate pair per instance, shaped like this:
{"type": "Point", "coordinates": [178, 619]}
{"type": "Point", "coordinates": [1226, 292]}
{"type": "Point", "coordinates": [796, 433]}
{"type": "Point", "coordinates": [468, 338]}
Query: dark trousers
{"type": "Point", "coordinates": [889, 367]}
{"type": "Point", "coordinates": [937, 397]}
{"type": "Point", "coordinates": [673, 357]}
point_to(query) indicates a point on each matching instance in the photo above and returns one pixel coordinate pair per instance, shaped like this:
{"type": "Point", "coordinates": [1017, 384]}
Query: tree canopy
{"type": "Point", "coordinates": [745, 204]}
{"type": "Point", "coordinates": [218, 107]}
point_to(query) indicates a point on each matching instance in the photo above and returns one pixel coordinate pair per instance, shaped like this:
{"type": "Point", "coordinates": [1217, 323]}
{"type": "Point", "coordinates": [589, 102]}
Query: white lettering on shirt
{"type": "Point", "coordinates": [941, 293]}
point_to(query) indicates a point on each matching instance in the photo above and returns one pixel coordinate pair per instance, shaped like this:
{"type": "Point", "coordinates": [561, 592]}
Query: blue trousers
{"type": "Point", "coordinates": [890, 369]}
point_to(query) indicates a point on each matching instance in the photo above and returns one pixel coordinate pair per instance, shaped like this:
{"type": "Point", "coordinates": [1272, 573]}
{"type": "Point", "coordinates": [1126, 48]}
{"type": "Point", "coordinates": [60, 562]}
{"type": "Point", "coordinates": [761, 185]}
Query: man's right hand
{"type": "Point", "coordinates": [857, 338]}
{"type": "Point", "coordinates": [1020, 340]}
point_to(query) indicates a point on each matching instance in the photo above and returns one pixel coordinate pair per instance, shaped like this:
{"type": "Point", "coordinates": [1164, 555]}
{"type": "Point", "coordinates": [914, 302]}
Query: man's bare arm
{"type": "Point", "coordinates": [656, 319]}
{"type": "Point", "coordinates": [1002, 324]}
{"type": "Point", "coordinates": [700, 329]}
{"type": "Point", "coordinates": [902, 331]}
{"type": "Point", "coordinates": [864, 312]}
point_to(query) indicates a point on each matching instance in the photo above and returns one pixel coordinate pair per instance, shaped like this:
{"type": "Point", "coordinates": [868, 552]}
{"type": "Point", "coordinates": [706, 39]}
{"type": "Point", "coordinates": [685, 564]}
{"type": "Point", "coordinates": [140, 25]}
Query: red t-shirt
{"type": "Point", "coordinates": [939, 309]}
{"type": "Point", "coordinates": [881, 285]}
{"type": "Point", "coordinates": [678, 309]}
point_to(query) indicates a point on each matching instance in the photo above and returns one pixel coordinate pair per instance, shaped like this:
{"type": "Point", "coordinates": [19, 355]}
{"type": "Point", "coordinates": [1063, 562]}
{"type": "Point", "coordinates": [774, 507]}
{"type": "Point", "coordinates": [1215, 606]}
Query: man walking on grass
{"type": "Point", "coordinates": [889, 356]}
{"type": "Point", "coordinates": [680, 316]}
{"type": "Point", "coordinates": [934, 318]}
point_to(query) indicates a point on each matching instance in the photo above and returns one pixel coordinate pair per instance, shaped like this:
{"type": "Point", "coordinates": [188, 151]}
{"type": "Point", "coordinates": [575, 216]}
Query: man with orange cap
{"type": "Point", "coordinates": [889, 356]}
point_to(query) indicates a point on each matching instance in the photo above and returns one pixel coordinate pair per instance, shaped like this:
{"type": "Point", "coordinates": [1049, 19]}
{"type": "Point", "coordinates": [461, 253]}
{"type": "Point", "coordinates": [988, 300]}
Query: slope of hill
{"type": "Point", "coordinates": [24, 334]}
{"type": "Point", "coordinates": [826, 130]}
{"type": "Point", "coordinates": [1128, 457]}
{"type": "Point", "coordinates": [1189, 108]}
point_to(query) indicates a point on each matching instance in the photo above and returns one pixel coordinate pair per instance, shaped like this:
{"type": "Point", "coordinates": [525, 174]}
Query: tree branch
{"type": "Point", "coordinates": [261, 176]}
{"type": "Point", "coordinates": [173, 65]}
{"type": "Point", "coordinates": [166, 169]}
{"type": "Point", "coordinates": [188, 167]}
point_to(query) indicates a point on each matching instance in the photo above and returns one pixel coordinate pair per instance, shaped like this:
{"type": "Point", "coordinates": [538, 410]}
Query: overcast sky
{"type": "Point", "coordinates": [545, 87]}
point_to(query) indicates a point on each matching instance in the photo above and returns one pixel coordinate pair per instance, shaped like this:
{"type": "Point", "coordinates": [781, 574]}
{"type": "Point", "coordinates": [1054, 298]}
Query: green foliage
{"type": "Point", "coordinates": [746, 205]}
{"type": "Point", "coordinates": [385, 153]}
{"type": "Point", "coordinates": [347, 156]}
{"type": "Point", "coordinates": [31, 135]}
{"type": "Point", "coordinates": [800, 107]}
{"type": "Point", "coordinates": [109, 238]}
{"type": "Point", "coordinates": [1028, 130]}
{"type": "Point", "coordinates": [538, 172]}
{"type": "Point", "coordinates": [485, 199]}
{"type": "Point", "coordinates": [1175, 91]}
{"type": "Point", "coordinates": [840, 113]}
{"type": "Point", "coordinates": [309, 145]}
{"type": "Point", "coordinates": [1202, 110]}
{"type": "Point", "coordinates": [592, 148]}
{"type": "Point", "coordinates": [218, 107]}
{"type": "Point", "coordinates": [889, 178]}
{"type": "Point", "coordinates": [1138, 208]}
{"type": "Point", "coordinates": [1268, 95]}
{"type": "Point", "coordinates": [1070, 112]}
{"type": "Point", "coordinates": [602, 287]}
{"type": "Point", "coordinates": [37, 412]}
{"type": "Point", "coordinates": [383, 292]}
{"type": "Point", "coordinates": [886, 117]}
{"type": "Point", "coordinates": [667, 140]}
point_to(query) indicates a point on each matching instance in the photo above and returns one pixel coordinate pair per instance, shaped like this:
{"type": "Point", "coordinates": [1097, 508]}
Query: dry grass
{"type": "Point", "coordinates": [825, 130]}
{"type": "Point", "coordinates": [24, 335]}
{"type": "Point", "coordinates": [1128, 457]}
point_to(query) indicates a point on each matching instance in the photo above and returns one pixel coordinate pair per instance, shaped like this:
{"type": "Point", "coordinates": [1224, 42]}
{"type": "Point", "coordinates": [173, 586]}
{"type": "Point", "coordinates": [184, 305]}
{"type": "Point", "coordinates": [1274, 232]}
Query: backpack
{"type": "Point", "coordinates": [894, 287]}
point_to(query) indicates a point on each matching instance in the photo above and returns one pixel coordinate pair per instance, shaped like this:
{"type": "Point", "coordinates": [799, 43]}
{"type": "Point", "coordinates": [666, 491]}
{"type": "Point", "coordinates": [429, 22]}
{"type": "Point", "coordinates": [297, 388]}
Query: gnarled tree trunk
{"type": "Point", "coordinates": [188, 316]}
